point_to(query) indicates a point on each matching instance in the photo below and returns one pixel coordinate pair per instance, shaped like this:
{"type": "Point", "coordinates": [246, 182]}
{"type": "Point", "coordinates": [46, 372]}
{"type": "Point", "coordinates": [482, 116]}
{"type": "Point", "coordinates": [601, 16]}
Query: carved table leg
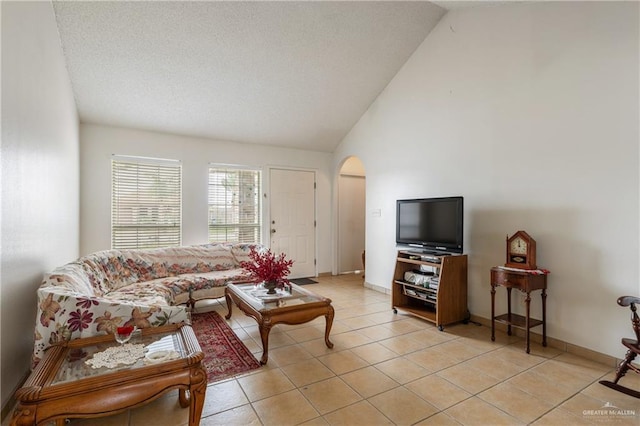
{"type": "Point", "coordinates": [197, 392]}
{"type": "Point", "coordinates": [528, 303]}
{"type": "Point", "coordinates": [544, 317]}
{"type": "Point", "coordinates": [329, 323]}
{"type": "Point", "coordinates": [265, 327]}
{"type": "Point", "coordinates": [509, 310]}
{"type": "Point", "coordinates": [23, 416]}
{"type": "Point", "coordinates": [493, 312]}
{"type": "Point", "coordinates": [184, 397]}
{"type": "Point", "coordinates": [229, 303]}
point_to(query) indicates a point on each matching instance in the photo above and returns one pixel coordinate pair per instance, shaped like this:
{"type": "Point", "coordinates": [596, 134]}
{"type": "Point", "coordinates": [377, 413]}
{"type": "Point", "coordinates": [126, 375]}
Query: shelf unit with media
{"type": "Point", "coordinates": [441, 304]}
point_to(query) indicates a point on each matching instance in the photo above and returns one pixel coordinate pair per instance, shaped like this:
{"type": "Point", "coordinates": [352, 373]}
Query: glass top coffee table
{"type": "Point", "coordinates": [69, 383]}
{"type": "Point", "coordinates": [295, 307]}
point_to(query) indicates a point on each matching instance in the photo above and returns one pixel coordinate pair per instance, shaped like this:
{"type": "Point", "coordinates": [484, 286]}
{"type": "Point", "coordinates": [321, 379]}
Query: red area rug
{"type": "Point", "coordinates": [224, 354]}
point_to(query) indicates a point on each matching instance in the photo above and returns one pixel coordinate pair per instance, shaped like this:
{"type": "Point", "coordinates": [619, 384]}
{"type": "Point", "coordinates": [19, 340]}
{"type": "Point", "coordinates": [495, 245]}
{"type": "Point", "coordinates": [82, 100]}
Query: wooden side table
{"type": "Point", "coordinates": [63, 386]}
{"type": "Point", "coordinates": [526, 282]}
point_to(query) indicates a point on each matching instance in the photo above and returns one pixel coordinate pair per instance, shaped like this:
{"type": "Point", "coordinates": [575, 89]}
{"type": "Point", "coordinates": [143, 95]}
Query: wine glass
{"type": "Point", "coordinates": [123, 334]}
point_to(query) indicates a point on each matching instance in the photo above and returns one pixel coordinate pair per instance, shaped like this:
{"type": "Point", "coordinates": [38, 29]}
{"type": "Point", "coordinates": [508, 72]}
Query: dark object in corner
{"type": "Point", "coordinates": [303, 281]}
{"type": "Point", "coordinates": [633, 349]}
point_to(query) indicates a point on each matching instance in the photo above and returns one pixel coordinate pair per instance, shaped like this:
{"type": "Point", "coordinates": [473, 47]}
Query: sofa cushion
{"type": "Point", "coordinates": [200, 284]}
{"type": "Point", "coordinates": [153, 292]}
{"type": "Point", "coordinates": [198, 259]}
{"type": "Point", "coordinates": [241, 251]}
{"type": "Point", "coordinates": [72, 279]}
{"type": "Point", "coordinates": [108, 270]}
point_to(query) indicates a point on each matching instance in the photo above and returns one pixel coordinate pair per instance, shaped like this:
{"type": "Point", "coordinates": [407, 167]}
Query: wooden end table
{"type": "Point", "coordinates": [526, 282]}
{"type": "Point", "coordinates": [63, 386]}
{"type": "Point", "coordinates": [297, 307]}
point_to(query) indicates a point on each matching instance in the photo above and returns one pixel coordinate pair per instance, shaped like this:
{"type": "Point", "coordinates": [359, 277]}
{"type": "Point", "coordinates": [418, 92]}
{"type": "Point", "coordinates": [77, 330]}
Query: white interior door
{"type": "Point", "coordinates": [292, 219]}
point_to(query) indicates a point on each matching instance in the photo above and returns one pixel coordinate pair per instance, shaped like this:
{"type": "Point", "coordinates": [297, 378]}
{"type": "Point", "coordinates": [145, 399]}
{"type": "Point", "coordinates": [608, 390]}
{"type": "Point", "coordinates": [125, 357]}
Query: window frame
{"type": "Point", "coordinates": [138, 222]}
{"type": "Point", "coordinates": [233, 230]}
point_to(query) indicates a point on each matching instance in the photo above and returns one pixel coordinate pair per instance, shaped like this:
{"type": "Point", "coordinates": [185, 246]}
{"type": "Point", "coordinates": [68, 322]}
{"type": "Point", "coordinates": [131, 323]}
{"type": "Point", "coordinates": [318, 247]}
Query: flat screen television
{"type": "Point", "coordinates": [432, 225]}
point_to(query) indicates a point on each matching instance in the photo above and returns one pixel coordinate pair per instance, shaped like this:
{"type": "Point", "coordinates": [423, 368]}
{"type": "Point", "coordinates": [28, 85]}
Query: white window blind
{"type": "Point", "coordinates": [146, 203]}
{"type": "Point", "coordinates": [234, 205]}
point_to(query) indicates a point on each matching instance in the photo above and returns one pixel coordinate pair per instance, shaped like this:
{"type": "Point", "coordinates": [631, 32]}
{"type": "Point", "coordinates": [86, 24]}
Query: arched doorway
{"type": "Point", "coordinates": [351, 216]}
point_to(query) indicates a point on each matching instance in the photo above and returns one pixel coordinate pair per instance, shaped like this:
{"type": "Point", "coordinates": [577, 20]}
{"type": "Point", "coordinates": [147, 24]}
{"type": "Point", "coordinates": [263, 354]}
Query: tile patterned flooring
{"type": "Point", "coordinates": [396, 369]}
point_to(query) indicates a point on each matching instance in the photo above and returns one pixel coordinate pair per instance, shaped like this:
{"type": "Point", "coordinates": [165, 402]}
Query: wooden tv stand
{"type": "Point", "coordinates": [443, 305]}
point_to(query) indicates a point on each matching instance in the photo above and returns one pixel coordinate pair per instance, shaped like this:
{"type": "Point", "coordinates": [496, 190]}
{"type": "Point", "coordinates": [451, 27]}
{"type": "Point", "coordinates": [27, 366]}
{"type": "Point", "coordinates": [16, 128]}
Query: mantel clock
{"type": "Point", "coordinates": [521, 251]}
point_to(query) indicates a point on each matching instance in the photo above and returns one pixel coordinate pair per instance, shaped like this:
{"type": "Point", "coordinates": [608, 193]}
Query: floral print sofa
{"type": "Point", "coordinates": [146, 288]}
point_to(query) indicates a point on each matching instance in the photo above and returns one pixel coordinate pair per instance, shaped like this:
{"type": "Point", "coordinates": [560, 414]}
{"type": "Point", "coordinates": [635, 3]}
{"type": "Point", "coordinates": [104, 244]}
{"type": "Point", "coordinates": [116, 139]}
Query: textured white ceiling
{"type": "Point", "coordinates": [294, 74]}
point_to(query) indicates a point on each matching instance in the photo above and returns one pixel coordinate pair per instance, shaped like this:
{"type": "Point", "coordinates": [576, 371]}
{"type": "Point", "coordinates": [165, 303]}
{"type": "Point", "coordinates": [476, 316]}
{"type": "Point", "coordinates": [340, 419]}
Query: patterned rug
{"type": "Point", "coordinates": [224, 354]}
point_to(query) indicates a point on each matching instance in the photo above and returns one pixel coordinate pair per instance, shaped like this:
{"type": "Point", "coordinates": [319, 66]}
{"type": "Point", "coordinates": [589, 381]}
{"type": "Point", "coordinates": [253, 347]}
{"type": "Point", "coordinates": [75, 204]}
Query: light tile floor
{"type": "Point", "coordinates": [388, 368]}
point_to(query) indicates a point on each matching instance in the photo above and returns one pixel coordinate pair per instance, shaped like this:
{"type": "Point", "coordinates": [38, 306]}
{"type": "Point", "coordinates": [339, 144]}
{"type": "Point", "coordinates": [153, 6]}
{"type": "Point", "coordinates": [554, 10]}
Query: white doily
{"type": "Point", "coordinates": [160, 356]}
{"type": "Point", "coordinates": [126, 354]}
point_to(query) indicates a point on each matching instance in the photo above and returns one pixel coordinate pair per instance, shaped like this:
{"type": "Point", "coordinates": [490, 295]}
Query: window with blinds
{"type": "Point", "coordinates": [234, 205]}
{"type": "Point", "coordinates": [146, 203]}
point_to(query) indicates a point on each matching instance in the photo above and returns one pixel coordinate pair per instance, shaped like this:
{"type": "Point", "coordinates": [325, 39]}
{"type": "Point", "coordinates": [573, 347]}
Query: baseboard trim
{"type": "Point", "coordinates": [11, 402]}
{"type": "Point", "coordinates": [554, 343]}
{"type": "Point", "coordinates": [534, 336]}
{"type": "Point", "coordinates": [377, 288]}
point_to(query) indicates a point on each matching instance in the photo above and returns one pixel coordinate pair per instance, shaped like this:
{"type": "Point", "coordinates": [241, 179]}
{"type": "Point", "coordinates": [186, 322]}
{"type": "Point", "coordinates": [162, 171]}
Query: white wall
{"type": "Point", "coordinates": [40, 174]}
{"type": "Point", "coordinates": [530, 112]}
{"type": "Point", "coordinates": [98, 143]}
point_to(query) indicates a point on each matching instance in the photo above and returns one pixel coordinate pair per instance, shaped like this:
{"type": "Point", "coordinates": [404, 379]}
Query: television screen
{"type": "Point", "coordinates": [433, 224]}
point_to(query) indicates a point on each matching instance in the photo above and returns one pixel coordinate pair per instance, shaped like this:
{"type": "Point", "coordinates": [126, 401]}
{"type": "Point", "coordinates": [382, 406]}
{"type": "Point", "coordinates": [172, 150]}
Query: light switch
{"type": "Point", "coordinates": [376, 212]}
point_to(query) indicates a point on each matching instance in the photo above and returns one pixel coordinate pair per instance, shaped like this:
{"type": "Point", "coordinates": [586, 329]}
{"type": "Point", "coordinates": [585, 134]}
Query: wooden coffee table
{"type": "Point", "coordinates": [63, 386]}
{"type": "Point", "coordinates": [297, 307]}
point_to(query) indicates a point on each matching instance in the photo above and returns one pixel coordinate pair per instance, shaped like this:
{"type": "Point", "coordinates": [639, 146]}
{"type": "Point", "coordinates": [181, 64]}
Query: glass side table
{"type": "Point", "coordinates": [64, 386]}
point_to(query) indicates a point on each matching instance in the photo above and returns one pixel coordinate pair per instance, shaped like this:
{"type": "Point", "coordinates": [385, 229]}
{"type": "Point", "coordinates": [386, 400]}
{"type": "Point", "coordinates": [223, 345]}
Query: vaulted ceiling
{"type": "Point", "coordinates": [294, 74]}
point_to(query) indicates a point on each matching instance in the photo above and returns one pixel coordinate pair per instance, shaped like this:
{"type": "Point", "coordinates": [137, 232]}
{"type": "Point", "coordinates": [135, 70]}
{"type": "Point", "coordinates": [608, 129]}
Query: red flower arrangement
{"type": "Point", "coordinates": [268, 267]}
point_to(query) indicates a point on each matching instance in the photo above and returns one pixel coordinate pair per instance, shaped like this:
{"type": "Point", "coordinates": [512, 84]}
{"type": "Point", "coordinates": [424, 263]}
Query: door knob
{"type": "Point", "coordinates": [273, 231]}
